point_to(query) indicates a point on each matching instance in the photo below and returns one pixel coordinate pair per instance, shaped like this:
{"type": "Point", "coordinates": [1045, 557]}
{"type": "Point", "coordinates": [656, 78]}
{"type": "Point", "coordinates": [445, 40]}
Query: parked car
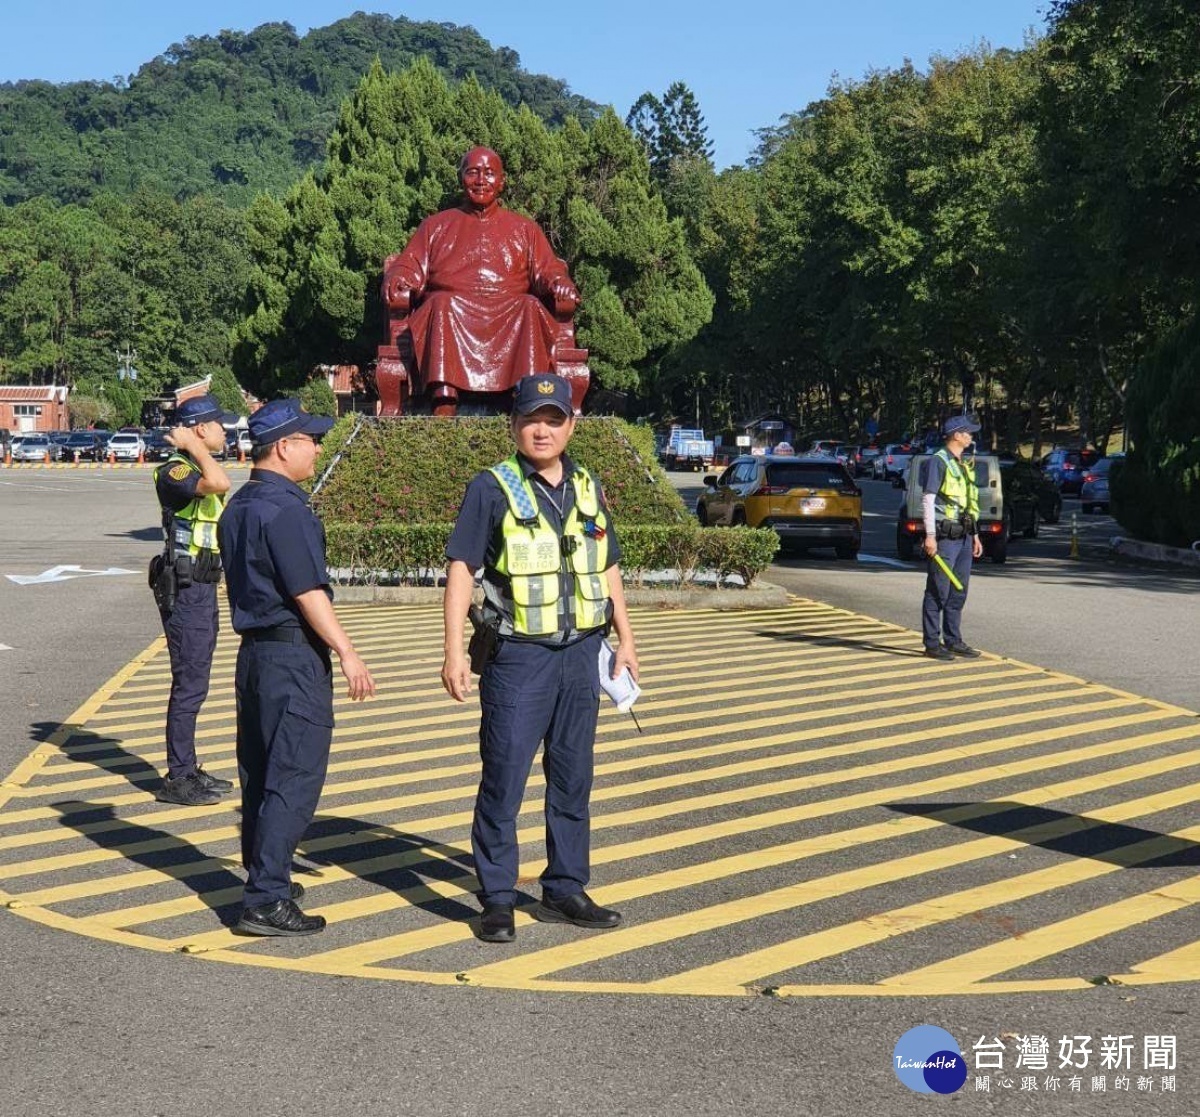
{"type": "Point", "coordinates": [1066, 467]}
{"type": "Point", "coordinates": [1093, 493]}
{"type": "Point", "coordinates": [1021, 478]}
{"type": "Point", "coordinates": [1002, 514]}
{"type": "Point", "coordinates": [808, 501]}
{"type": "Point", "coordinates": [33, 447]}
{"type": "Point", "coordinates": [158, 449]}
{"type": "Point", "coordinates": [825, 447]}
{"type": "Point", "coordinates": [126, 446]}
{"type": "Point", "coordinates": [889, 466]}
{"type": "Point", "coordinates": [84, 446]}
{"type": "Point", "coordinates": [866, 459]}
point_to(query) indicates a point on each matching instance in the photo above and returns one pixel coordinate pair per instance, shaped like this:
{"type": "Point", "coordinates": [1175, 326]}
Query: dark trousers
{"type": "Point", "coordinates": [941, 610]}
{"type": "Point", "coordinates": [191, 631]}
{"type": "Point", "coordinates": [529, 694]}
{"type": "Point", "coordinates": [284, 730]}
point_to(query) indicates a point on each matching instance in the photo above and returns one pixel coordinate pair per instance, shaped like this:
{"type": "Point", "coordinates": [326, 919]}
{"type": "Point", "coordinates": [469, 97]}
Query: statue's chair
{"type": "Point", "coordinates": [401, 385]}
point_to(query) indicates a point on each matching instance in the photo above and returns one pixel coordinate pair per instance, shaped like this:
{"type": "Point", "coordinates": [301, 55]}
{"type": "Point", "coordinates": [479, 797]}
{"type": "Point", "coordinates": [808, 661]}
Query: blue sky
{"type": "Point", "coordinates": [747, 63]}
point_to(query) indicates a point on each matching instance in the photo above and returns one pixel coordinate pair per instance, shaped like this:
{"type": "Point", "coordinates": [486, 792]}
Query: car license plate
{"type": "Point", "coordinates": [812, 504]}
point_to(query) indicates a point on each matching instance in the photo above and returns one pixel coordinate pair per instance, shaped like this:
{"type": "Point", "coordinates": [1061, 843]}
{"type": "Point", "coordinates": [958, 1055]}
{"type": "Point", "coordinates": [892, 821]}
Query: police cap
{"type": "Point", "coordinates": [542, 389]}
{"type": "Point", "coordinates": [282, 417]}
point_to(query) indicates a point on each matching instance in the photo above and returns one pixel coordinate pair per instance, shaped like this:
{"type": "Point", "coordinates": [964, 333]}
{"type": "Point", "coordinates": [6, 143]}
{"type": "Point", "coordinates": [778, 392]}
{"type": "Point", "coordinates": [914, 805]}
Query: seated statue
{"type": "Point", "coordinates": [482, 298]}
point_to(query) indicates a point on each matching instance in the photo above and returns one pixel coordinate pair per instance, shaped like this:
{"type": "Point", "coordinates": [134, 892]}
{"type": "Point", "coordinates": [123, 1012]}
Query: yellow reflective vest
{"type": "Point", "coordinates": [195, 523]}
{"type": "Point", "coordinates": [534, 556]}
{"type": "Point", "coordinates": [959, 492]}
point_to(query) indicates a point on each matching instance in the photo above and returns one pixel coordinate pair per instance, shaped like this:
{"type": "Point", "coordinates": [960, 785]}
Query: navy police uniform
{"type": "Point", "coordinates": [951, 482]}
{"type": "Point", "coordinates": [273, 549]}
{"type": "Point", "coordinates": [191, 621]}
{"type": "Point", "coordinates": [535, 689]}
{"type": "Point", "coordinates": [190, 628]}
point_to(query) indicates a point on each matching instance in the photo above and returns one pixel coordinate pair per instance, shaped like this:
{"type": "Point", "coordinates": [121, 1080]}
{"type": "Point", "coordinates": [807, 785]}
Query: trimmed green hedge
{"type": "Point", "coordinates": [414, 470]}
{"type": "Point", "coordinates": [390, 503]}
{"type": "Point", "coordinates": [409, 554]}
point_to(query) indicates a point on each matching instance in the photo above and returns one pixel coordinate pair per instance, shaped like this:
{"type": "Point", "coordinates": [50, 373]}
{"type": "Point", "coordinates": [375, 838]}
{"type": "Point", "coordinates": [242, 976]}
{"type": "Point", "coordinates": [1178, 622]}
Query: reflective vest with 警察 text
{"type": "Point", "coordinates": [534, 557]}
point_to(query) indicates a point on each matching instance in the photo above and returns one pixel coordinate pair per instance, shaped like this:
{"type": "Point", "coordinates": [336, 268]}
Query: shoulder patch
{"type": "Point", "coordinates": [179, 472]}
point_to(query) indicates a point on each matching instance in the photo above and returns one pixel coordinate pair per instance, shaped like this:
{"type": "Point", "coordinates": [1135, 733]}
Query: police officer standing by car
{"type": "Point", "coordinates": [273, 550]}
{"type": "Point", "coordinates": [538, 526]}
{"type": "Point", "coordinates": [191, 489]}
{"type": "Point", "coordinates": [950, 505]}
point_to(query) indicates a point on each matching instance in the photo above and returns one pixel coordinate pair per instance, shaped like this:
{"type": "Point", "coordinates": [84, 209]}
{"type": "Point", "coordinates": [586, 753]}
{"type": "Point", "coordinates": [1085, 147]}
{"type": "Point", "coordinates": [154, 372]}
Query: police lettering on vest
{"type": "Point", "coordinates": [534, 556]}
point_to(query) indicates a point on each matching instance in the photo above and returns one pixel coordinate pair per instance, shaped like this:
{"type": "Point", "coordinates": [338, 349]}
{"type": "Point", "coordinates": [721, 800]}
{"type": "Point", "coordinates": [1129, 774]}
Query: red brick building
{"type": "Point", "coordinates": [26, 407]}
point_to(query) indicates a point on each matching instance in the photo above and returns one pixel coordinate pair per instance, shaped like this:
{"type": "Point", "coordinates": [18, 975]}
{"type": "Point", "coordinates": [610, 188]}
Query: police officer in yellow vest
{"type": "Point", "coordinates": [191, 488]}
{"type": "Point", "coordinates": [538, 526]}
{"type": "Point", "coordinates": [950, 505]}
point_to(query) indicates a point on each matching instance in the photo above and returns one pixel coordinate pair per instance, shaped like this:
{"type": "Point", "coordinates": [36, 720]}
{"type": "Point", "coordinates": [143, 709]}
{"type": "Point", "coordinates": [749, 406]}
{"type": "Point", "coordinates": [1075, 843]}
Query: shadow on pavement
{"type": "Point", "coordinates": [818, 641]}
{"type": "Point", "coordinates": [1099, 840]}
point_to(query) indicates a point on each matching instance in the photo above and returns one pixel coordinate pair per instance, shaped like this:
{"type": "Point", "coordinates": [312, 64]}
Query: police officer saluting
{"type": "Point", "coordinates": [191, 489]}
{"type": "Point", "coordinates": [950, 504]}
{"type": "Point", "coordinates": [273, 550]}
{"type": "Point", "coordinates": [538, 526]}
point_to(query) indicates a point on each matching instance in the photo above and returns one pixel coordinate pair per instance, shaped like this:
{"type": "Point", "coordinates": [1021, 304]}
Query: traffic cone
{"type": "Point", "coordinates": [141, 457]}
{"type": "Point", "coordinates": [1074, 537]}
{"type": "Point", "coordinates": [7, 456]}
{"type": "Point", "coordinates": [241, 455]}
{"type": "Point", "coordinates": [46, 458]}
{"type": "Point", "coordinates": [112, 458]}
{"type": "Point", "coordinates": [76, 457]}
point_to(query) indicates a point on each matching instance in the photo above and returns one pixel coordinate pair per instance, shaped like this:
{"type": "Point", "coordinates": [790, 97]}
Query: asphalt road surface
{"type": "Point", "coordinates": [822, 842]}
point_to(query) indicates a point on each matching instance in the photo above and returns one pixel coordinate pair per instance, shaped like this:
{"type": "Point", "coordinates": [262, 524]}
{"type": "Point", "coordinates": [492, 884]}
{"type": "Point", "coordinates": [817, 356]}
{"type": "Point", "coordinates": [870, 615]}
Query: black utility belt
{"type": "Point", "coordinates": [954, 529]}
{"type": "Point", "coordinates": [203, 569]}
{"type": "Point", "coordinates": [282, 634]}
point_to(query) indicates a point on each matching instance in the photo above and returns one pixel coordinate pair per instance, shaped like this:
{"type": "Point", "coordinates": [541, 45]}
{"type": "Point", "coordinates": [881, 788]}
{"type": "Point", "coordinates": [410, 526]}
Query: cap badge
{"type": "Point", "coordinates": [546, 387]}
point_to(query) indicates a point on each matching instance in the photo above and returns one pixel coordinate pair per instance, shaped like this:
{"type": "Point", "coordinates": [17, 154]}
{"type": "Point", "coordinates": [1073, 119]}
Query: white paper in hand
{"type": "Point", "coordinates": [623, 690]}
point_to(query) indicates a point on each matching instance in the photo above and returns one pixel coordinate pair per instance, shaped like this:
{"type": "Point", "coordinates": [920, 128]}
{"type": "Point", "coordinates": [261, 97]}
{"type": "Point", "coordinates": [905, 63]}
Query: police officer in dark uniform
{"type": "Point", "coordinates": [538, 526]}
{"type": "Point", "coordinates": [950, 507]}
{"type": "Point", "coordinates": [191, 489]}
{"type": "Point", "coordinates": [273, 550]}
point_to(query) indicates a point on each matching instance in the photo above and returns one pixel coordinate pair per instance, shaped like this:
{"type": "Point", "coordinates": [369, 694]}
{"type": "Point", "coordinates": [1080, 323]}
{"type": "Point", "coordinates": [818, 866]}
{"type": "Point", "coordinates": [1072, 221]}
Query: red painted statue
{"type": "Point", "coordinates": [478, 299]}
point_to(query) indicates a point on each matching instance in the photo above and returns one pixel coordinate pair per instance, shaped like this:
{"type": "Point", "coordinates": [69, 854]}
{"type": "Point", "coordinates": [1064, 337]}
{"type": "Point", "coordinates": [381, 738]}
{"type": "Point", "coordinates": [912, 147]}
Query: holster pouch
{"type": "Point", "coordinates": [184, 571]}
{"type": "Point", "coordinates": [163, 583]}
{"type": "Point", "coordinates": [485, 639]}
{"type": "Point", "coordinates": [206, 568]}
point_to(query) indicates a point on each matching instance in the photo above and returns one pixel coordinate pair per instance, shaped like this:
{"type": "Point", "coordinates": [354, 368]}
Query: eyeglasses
{"type": "Point", "coordinates": [304, 437]}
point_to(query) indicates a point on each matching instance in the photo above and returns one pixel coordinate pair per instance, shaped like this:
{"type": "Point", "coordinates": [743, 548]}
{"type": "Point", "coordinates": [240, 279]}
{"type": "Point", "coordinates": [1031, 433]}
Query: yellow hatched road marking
{"type": "Point", "coordinates": [835, 940]}
{"type": "Point", "coordinates": [413, 942]}
{"type": "Point", "coordinates": [642, 848]}
{"type": "Point", "coordinates": [626, 790]}
{"type": "Point", "coordinates": [906, 687]}
{"type": "Point", "coordinates": [788, 688]}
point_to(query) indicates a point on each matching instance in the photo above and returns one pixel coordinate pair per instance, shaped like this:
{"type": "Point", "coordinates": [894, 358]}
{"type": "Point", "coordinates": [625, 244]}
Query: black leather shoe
{"type": "Point", "coordinates": [296, 890]}
{"type": "Point", "coordinates": [497, 923]}
{"type": "Point", "coordinates": [578, 909]}
{"type": "Point", "coordinates": [213, 783]}
{"type": "Point", "coordinates": [280, 918]}
{"type": "Point", "coordinates": [939, 653]}
{"type": "Point", "coordinates": [186, 791]}
{"type": "Point", "coordinates": [964, 651]}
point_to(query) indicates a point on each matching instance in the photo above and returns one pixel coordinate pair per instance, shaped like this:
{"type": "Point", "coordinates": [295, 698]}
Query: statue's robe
{"type": "Point", "coordinates": [480, 280]}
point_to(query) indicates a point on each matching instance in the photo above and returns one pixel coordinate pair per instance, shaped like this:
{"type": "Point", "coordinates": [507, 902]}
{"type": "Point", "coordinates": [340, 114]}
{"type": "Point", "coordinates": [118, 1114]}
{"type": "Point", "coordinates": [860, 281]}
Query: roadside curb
{"type": "Point", "coordinates": [761, 595]}
{"type": "Point", "coordinates": [1153, 552]}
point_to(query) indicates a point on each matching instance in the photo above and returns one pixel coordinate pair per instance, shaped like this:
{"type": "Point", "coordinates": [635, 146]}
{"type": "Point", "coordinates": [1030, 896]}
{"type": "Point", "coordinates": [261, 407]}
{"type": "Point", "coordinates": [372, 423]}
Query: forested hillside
{"type": "Point", "coordinates": [233, 114]}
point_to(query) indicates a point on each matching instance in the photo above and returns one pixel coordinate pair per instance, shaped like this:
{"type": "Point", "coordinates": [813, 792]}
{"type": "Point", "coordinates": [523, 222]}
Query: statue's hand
{"type": "Point", "coordinates": [565, 296]}
{"type": "Point", "coordinates": [396, 295]}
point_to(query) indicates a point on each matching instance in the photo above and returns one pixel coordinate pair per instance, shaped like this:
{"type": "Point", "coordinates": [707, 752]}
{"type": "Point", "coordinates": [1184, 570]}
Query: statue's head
{"type": "Point", "coordinates": [481, 175]}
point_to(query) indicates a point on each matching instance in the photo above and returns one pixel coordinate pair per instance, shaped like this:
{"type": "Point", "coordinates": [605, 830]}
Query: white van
{"type": "Point", "coordinates": [996, 523]}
